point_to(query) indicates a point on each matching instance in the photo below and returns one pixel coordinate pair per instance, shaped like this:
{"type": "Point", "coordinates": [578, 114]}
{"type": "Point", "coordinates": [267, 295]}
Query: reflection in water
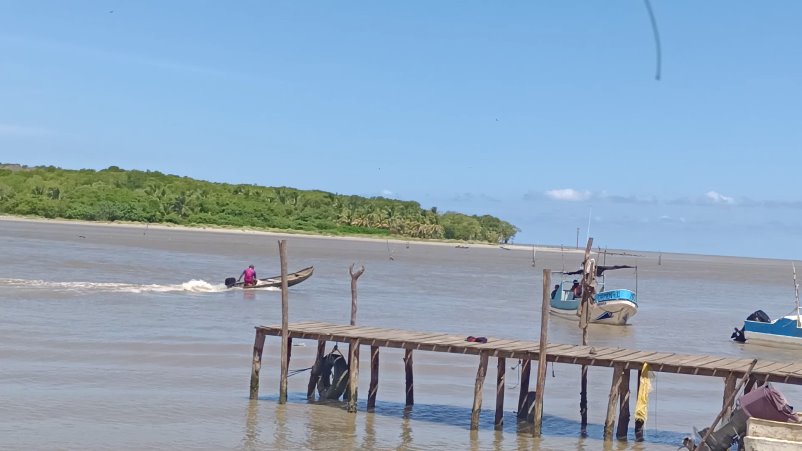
{"type": "Point", "coordinates": [406, 428]}
{"type": "Point", "coordinates": [280, 435]}
{"type": "Point", "coordinates": [251, 439]}
{"type": "Point", "coordinates": [369, 440]}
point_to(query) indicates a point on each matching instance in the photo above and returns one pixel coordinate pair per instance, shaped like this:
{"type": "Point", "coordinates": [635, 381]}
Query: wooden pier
{"type": "Point", "coordinates": [619, 359]}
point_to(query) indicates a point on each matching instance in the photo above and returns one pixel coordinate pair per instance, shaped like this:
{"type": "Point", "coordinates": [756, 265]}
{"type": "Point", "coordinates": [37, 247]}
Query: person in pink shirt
{"type": "Point", "coordinates": [250, 276]}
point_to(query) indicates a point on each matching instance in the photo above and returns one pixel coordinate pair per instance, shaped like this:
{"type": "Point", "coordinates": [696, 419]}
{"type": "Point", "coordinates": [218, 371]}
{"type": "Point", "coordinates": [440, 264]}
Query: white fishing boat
{"type": "Point", "coordinates": [785, 331]}
{"type": "Point", "coordinates": [614, 307]}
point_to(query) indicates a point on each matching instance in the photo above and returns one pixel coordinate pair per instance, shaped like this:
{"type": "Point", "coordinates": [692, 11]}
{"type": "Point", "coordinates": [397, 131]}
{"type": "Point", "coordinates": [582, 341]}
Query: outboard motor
{"type": "Point", "coordinates": [230, 282]}
{"type": "Point", "coordinates": [765, 402]}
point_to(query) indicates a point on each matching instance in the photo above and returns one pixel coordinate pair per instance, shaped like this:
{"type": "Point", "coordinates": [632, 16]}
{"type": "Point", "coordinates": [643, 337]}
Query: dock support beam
{"type": "Point", "coordinates": [353, 373]}
{"type": "Point", "coordinates": [609, 422]}
{"type": "Point", "coordinates": [623, 412]}
{"type": "Point", "coordinates": [501, 371]}
{"type": "Point", "coordinates": [374, 377]}
{"type": "Point", "coordinates": [477, 390]}
{"type": "Point", "coordinates": [408, 377]}
{"type": "Point", "coordinates": [258, 346]}
{"type": "Point", "coordinates": [314, 375]}
{"type": "Point", "coordinates": [526, 367]}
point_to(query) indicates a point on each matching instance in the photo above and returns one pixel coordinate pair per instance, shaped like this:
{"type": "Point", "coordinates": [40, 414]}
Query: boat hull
{"type": "Point", "coordinates": [614, 307]}
{"type": "Point", "coordinates": [275, 282]}
{"type": "Point", "coordinates": [782, 332]}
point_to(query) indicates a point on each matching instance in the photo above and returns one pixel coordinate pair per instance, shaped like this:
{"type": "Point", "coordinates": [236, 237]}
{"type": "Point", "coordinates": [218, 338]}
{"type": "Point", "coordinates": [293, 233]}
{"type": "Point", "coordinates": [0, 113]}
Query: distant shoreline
{"type": "Point", "coordinates": [216, 229]}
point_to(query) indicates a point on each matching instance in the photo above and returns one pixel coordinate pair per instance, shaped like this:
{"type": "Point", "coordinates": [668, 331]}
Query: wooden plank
{"type": "Point", "coordinates": [638, 357]}
{"type": "Point", "coordinates": [501, 371]}
{"type": "Point", "coordinates": [609, 422]}
{"type": "Point", "coordinates": [623, 411]}
{"type": "Point", "coordinates": [256, 365]}
{"type": "Point", "coordinates": [374, 377]}
{"type": "Point", "coordinates": [526, 366]}
{"type": "Point", "coordinates": [410, 399]}
{"type": "Point", "coordinates": [477, 391]}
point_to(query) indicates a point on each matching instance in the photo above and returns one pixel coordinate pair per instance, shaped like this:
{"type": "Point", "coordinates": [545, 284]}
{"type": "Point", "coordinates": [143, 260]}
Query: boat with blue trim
{"type": "Point", "coordinates": [614, 307]}
{"type": "Point", "coordinates": [785, 331]}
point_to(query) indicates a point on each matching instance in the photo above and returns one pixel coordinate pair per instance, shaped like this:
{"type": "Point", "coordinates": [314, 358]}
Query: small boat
{"type": "Point", "coordinates": [785, 331]}
{"type": "Point", "coordinates": [275, 281]}
{"type": "Point", "coordinates": [614, 307]}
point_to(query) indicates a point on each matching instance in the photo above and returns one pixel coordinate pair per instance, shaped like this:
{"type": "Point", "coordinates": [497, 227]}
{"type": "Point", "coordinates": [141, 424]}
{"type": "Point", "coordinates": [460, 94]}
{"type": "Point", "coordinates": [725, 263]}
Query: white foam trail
{"type": "Point", "coordinates": [194, 286]}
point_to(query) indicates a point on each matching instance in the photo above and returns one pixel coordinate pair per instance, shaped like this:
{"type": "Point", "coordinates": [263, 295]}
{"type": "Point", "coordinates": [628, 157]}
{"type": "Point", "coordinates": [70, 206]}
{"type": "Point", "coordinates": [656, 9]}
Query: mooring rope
{"type": "Point", "coordinates": [297, 371]}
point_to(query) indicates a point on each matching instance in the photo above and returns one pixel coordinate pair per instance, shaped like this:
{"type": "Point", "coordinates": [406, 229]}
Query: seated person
{"type": "Point", "coordinates": [555, 291]}
{"type": "Point", "coordinates": [576, 290]}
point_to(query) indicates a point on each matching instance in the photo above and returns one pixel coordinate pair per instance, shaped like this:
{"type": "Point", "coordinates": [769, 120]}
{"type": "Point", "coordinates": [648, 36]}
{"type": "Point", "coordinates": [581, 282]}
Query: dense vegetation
{"type": "Point", "coordinates": [115, 194]}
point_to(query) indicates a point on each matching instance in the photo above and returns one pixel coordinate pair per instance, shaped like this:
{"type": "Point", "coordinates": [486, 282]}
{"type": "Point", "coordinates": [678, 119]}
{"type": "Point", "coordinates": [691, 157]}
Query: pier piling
{"type": "Point", "coordinates": [477, 390]}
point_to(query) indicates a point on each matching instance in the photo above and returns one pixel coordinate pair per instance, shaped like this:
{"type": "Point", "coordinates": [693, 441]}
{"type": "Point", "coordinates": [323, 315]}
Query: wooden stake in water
{"type": "Point", "coordinates": [282, 250]}
{"type": "Point", "coordinates": [796, 294]}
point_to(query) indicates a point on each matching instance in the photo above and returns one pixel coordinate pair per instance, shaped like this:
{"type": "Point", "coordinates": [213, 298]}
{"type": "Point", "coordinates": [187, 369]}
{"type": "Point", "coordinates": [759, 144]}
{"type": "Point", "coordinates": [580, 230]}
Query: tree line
{"type": "Point", "coordinates": [115, 194]}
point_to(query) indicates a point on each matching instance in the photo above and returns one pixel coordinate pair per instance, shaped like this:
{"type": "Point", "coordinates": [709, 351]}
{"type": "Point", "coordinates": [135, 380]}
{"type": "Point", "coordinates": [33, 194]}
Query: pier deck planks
{"type": "Point", "coordinates": [706, 365]}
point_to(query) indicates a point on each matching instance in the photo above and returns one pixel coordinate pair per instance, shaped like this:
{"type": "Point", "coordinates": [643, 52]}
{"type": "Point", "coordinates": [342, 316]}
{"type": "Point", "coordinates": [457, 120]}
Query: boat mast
{"type": "Point", "coordinates": [796, 294]}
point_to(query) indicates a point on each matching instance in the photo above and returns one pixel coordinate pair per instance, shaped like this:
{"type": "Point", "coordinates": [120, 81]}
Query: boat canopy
{"type": "Point", "coordinates": [599, 270]}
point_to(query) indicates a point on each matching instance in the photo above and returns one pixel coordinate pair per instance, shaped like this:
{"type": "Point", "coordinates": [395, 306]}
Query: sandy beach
{"type": "Point", "coordinates": [288, 234]}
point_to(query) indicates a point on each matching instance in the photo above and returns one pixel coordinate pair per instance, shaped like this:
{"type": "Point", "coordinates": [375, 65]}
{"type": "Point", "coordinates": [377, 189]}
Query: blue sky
{"type": "Point", "coordinates": [541, 113]}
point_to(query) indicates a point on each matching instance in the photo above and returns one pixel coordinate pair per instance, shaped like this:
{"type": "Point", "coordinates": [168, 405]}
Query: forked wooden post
{"type": "Point", "coordinates": [353, 373]}
{"type": "Point", "coordinates": [408, 376]}
{"type": "Point", "coordinates": [609, 422]}
{"type": "Point", "coordinates": [354, 277]}
{"type": "Point", "coordinates": [354, 353]}
{"type": "Point", "coordinates": [256, 366]}
{"type": "Point", "coordinates": [526, 367]}
{"type": "Point", "coordinates": [317, 368]}
{"type": "Point", "coordinates": [374, 377]}
{"type": "Point", "coordinates": [541, 368]}
{"type": "Point", "coordinates": [477, 390]}
{"type": "Point", "coordinates": [584, 313]}
{"type": "Point", "coordinates": [501, 371]}
{"type": "Point", "coordinates": [285, 335]}
{"type": "Point", "coordinates": [623, 412]}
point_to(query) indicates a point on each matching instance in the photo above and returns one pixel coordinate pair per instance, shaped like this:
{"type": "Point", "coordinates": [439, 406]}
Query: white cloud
{"type": "Point", "coordinates": [718, 198]}
{"type": "Point", "coordinates": [568, 194]}
{"type": "Point", "coordinates": [387, 193]}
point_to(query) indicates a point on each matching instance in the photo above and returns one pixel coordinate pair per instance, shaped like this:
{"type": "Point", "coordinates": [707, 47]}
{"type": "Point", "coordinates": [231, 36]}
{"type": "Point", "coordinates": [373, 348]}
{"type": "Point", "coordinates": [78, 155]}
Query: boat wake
{"type": "Point", "coordinates": [192, 286]}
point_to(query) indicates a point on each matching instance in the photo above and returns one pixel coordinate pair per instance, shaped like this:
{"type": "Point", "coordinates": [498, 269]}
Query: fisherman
{"type": "Point", "coordinates": [555, 290]}
{"type": "Point", "coordinates": [576, 289]}
{"type": "Point", "coordinates": [250, 276]}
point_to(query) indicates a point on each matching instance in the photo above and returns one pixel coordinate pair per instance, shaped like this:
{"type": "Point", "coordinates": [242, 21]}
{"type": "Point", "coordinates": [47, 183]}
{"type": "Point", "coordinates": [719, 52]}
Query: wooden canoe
{"type": "Point", "coordinates": [275, 281]}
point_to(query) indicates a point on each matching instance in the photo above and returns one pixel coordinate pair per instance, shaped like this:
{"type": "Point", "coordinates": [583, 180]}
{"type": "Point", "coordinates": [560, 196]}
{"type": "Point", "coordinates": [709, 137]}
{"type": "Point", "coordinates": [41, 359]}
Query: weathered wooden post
{"type": "Point", "coordinates": [501, 371]}
{"type": "Point", "coordinates": [354, 277]}
{"type": "Point", "coordinates": [374, 377]}
{"type": "Point", "coordinates": [317, 368]}
{"type": "Point", "coordinates": [256, 366]}
{"type": "Point", "coordinates": [583, 324]}
{"type": "Point", "coordinates": [623, 414]}
{"type": "Point", "coordinates": [408, 377]}
{"type": "Point", "coordinates": [615, 386]}
{"type": "Point", "coordinates": [353, 373]}
{"type": "Point", "coordinates": [523, 411]}
{"type": "Point", "coordinates": [541, 368]}
{"type": "Point", "coordinates": [285, 335]}
{"type": "Point", "coordinates": [353, 347]}
{"type": "Point", "coordinates": [477, 390]}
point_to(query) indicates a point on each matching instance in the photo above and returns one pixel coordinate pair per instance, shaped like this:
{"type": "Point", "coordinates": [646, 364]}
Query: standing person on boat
{"type": "Point", "coordinates": [250, 276]}
{"type": "Point", "coordinates": [555, 290]}
{"type": "Point", "coordinates": [576, 289]}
